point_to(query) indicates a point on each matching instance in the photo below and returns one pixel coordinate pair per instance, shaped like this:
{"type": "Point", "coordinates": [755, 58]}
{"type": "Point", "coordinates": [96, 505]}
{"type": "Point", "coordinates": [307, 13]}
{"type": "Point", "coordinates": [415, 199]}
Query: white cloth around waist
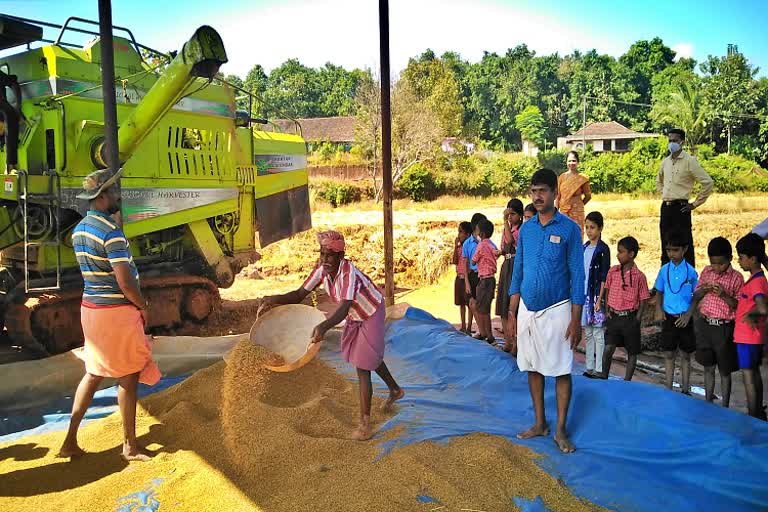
{"type": "Point", "coordinates": [542, 346]}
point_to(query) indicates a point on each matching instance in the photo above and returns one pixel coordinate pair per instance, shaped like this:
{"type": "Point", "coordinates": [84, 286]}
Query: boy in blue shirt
{"type": "Point", "coordinates": [675, 285]}
{"type": "Point", "coordinates": [468, 249]}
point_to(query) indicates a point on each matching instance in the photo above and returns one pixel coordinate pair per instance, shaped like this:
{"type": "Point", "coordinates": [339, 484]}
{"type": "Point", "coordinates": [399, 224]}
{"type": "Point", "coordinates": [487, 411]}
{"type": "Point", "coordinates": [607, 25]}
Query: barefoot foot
{"type": "Point", "coordinates": [140, 454]}
{"type": "Point", "coordinates": [70, 452]}
{"type": "Point", "coordinates": [394, 396]}
{"type": "Point", "coordinates": [564, 444]}
{"type": "Point", "coordinates": [361, 433]}
{"type": "Point", "coordinates": [534, 431]}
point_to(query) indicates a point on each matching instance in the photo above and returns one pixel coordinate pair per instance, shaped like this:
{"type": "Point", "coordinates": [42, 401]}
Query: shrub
{"type": "Point", "coordinates": [731, 173]}
{"type": "Point", "coordinates": [650, 149]}
{"type": "Point", "coordinates": [705, 151]}
{"type": "Point", "coordinates": [761, 184]}
{"type": "Point", "coordinates": [622, 173]}
{"type": "Point", "coordinates": [465, 175]}
{"type": "Point", "coordinates": [418, 183]}
{"type": "Point", "coordinates": [553, 159]}
{"type": "Point", "coordinates": [337, 193]}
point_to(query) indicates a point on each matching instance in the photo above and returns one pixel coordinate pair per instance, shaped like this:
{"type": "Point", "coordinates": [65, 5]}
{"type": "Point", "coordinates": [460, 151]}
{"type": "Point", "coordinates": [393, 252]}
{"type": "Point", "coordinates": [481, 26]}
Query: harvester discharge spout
{"type": "Point", "coordinates": [200, 57]}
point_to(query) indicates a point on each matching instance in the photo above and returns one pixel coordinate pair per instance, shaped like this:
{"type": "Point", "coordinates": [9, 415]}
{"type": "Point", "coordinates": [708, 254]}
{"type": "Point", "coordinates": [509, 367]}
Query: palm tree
{"type": "Point", "coordinates": [686, 109]}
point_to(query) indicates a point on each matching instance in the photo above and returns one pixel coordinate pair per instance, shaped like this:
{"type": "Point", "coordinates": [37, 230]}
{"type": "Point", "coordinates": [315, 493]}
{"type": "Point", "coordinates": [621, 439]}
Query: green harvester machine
{"type": "Point", "coordinates": [202, 188]}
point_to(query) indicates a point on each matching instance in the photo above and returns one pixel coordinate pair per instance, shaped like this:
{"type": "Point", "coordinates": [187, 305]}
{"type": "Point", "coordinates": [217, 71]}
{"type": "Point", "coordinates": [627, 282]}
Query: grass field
{"type": "Point", "coordinates": [424, 234]}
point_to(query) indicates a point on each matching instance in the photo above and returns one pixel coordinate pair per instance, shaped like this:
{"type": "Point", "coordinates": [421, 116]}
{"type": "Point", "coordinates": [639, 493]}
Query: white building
{"type": "Point", "coordinates": [605, 136]}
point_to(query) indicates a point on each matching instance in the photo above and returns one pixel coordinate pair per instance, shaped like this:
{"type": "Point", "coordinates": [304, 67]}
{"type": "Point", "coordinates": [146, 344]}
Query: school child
{"type": "Point", "coordinates": [675, 284]}
{"type": "Point", "coordinates": [468, 249]}
{"type": "Point", "coordinates": [623, 298]}
{"type": "Point", "coordinates": [715, 299]}
{"type": "Point", "coordinates": [597, 262]}
{"type": "Point", "coordinates": [485, 258]}
{"type": "Point", "coordinates": [751, 312]}
{"type": "Point", "coordinates": [529, 212]}
{"type": "Point", "coordinates": [513, 219]}
{"type": "Point", "coordinates": [460, 297]}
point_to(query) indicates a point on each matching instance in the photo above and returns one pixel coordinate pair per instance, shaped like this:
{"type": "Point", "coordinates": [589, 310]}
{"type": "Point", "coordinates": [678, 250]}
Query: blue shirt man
{"type": "Point", "coordinates": [549, 265]}
{"type": "Point", "coordinates": [545, 305]}
{"type": "Point", "coordinates": [677, 283]}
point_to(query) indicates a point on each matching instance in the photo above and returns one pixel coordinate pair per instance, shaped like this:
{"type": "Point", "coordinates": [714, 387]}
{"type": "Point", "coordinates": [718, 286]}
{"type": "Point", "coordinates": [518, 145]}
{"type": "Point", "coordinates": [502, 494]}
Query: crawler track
{"type": "Point", "coordinates": [50, 323]}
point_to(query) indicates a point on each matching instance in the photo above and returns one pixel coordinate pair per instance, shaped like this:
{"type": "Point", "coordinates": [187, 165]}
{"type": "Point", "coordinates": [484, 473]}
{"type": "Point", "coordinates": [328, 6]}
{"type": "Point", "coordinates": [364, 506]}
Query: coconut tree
{"type": "Point", "coordinates": [686, 109]}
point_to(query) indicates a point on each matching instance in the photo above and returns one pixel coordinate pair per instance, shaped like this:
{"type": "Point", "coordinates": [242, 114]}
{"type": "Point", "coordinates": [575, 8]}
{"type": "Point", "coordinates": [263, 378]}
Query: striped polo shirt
{"type": "Point", "coordinates": [100, 243]}
{"type": "Point", "coordinates": [350, 284]}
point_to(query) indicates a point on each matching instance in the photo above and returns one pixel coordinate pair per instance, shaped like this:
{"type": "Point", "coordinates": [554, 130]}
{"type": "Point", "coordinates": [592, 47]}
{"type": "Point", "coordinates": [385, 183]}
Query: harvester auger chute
{"type": "Point", "coordinates": [198, 189]}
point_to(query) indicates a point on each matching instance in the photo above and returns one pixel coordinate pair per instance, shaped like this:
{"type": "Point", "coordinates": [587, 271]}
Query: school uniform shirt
{"type": "Point", "coordinates": [461, 261]}
{"type": "Point", "coordinates": [468, 250]}
{"type": "Point", "coordinates": [712, 305]}
{"type": "Point", "coordinates": [485, 258]}
{"type": "Point", "coordinates": [627, 292]}
{"type": "Point", "coordinates": [350, 284]}
{"type": "Point", "coordinates": [549, 264]}
{"type": "Point", "coordinates": [756, 286]}
{"type": "Point", "coordinates": [677, 283]}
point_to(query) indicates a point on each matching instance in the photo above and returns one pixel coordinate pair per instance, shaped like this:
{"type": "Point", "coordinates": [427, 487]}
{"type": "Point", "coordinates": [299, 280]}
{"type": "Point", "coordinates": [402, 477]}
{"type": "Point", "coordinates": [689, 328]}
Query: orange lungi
{"type": "Point", "coordinates": [115, 343]}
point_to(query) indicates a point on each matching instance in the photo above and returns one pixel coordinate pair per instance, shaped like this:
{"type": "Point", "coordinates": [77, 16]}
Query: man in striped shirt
{"type": "Point", "coordinates": [362, 305]}
{"type": "Point", "coordinates": [113, 314]}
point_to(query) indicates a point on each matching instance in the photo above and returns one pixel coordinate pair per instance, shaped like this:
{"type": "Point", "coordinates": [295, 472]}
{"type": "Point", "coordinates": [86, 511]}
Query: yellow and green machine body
{"type": "Point", "coordinates": [201, 188]}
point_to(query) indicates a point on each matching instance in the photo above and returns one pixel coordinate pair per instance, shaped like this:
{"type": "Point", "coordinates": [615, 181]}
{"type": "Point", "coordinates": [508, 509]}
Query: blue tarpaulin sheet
{"type": "Point", "coordinates": [639, 446]}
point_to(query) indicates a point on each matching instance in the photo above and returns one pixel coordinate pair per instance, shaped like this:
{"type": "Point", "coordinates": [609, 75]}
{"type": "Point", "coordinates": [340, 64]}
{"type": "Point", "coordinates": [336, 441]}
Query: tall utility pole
{"type": "Point", "coordinates": [108, 85]}
{"type": "Point", "coordinates": [386, 152]}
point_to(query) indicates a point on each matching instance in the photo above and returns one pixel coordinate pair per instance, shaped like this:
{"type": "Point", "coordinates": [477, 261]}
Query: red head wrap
{"type": "Point", "coordinates": [331, 240]}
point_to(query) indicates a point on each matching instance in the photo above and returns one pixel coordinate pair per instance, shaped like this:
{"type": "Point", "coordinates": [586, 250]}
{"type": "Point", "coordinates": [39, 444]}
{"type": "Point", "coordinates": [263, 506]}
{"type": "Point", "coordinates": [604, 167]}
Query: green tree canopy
{"type": "Point", "coordinates": [730, 90]}
{"type": "Point", "coordinates": [433, 81]}
{"type": "Point", "coordinates": [531, 124]}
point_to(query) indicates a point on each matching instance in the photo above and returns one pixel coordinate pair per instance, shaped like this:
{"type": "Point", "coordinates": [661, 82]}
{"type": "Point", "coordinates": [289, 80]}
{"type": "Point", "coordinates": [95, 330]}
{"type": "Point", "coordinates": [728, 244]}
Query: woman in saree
{"type": "Point", "coordinates": [573, 191]}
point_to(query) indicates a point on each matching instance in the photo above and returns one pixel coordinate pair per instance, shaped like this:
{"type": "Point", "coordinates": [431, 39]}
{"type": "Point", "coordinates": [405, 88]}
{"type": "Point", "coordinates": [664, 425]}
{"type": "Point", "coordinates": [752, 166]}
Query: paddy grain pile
{"type": "Point", "coordinates": [238, 437]}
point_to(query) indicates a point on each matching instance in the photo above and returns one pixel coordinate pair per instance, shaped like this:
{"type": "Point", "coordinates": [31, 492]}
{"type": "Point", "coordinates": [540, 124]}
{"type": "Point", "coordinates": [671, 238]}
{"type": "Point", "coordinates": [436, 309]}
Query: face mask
{"type": "Point", "coordinates": [674, 147]}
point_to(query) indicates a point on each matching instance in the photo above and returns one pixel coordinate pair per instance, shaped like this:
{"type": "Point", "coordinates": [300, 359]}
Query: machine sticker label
{"type": "Point", "coordinates": [133, 95]}
{"type": "Point", "coordinates": [272, 164]}
{"type": "Point", "coordinates": [146, 203]}
{"type": "Point", "coordinates": [9, 184]}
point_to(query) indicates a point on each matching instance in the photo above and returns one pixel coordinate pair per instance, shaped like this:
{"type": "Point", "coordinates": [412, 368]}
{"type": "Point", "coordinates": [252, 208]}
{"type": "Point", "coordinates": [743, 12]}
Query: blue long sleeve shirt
{"type": "Point", "coordinates": [549, 265]}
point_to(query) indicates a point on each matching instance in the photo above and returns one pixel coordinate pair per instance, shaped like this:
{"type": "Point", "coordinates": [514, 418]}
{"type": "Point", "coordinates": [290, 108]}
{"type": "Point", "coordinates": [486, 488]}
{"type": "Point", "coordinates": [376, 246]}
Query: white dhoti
{"type": "Point", "coordinates": [541, 343]}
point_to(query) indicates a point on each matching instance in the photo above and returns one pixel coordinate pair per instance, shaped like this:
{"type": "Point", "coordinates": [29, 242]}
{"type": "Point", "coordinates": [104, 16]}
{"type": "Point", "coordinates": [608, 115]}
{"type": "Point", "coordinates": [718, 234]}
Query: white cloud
{"type": "Point", "coordinates": [683, 50]}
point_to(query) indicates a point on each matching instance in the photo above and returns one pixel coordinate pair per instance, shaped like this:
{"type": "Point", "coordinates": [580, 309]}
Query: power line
{"type": "Point", "coordinates": [719, 114]}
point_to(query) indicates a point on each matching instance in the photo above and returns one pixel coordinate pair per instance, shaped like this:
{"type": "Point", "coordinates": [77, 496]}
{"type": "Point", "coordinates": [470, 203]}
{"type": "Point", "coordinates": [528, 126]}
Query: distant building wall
{"type": "Point", "coordinates": [352, 173]}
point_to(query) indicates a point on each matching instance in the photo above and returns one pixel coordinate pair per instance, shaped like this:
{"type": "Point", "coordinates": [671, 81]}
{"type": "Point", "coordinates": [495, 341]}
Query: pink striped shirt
{"type": "Point", "coordinates": [350, 284]}
{"type": "Point", "coordinates": [485, 258]}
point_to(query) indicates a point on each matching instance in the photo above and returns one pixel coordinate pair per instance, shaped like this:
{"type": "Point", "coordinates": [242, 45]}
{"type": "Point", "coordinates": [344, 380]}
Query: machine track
{"type": "Point", "coordinates": [50, 323]}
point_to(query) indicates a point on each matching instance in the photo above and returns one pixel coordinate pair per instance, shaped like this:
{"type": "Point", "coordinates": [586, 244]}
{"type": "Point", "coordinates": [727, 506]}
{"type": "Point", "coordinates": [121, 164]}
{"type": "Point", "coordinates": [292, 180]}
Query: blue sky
{"type": "Point", "coordinates": [345, 31]}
